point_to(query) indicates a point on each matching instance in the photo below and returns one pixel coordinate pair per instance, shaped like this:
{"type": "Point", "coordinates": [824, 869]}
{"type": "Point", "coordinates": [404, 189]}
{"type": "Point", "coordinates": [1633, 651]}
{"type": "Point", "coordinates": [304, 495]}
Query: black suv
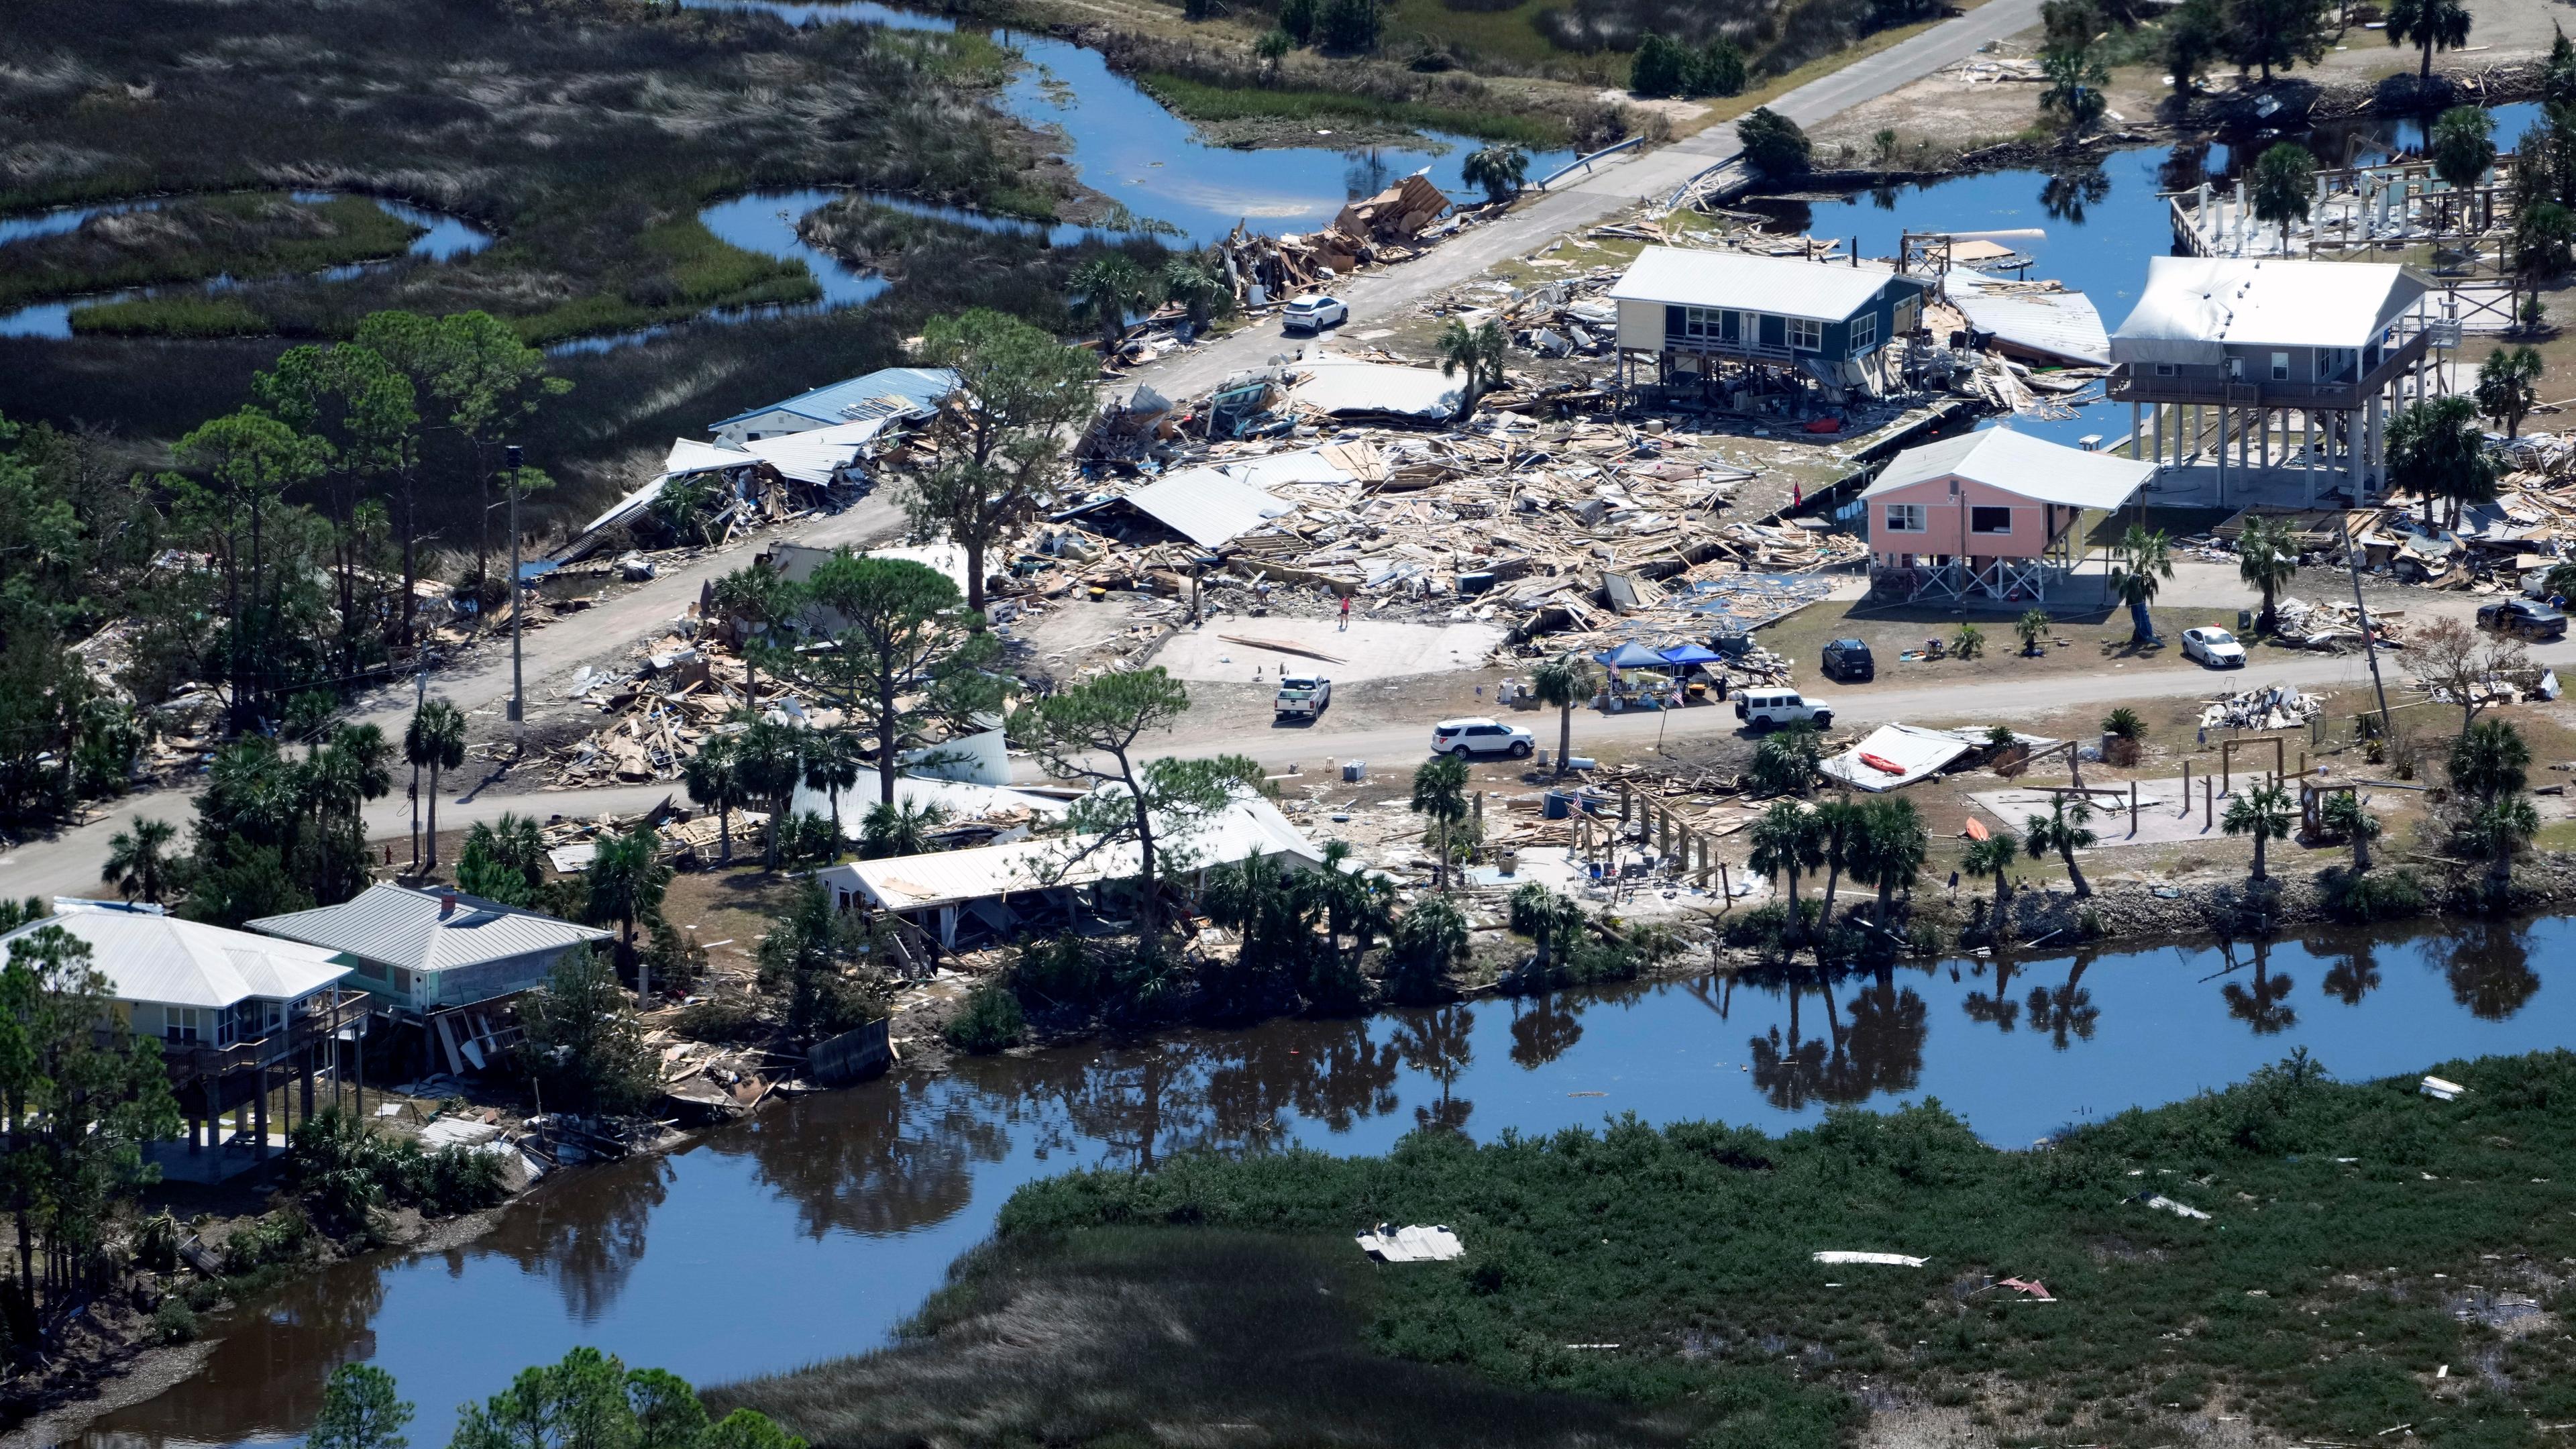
{"type": "Point", "coordinates": [2524, 617]}
{"type": "Point", "coordinates": [1847, 660]}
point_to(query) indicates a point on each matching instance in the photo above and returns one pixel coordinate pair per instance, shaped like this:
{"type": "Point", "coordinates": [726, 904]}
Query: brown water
{"type": "Point", "coordinates": [810, 1231]}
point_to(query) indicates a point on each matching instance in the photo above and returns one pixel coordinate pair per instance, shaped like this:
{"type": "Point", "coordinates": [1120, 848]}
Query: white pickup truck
{"type": "Point", "coordinates": [1306, 694]}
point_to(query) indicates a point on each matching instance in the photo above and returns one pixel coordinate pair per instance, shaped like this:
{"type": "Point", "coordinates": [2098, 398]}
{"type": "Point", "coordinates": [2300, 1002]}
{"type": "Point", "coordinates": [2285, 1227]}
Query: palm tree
{"type": "Point", "coordinates": [1440, 791]}
{"type": "Point", "coordinates": [435, 740]}
{"type": "Point", "coordinates": [1787, 839]}
{"type": "Point", "coordinates": [2033, 626]}
{"type": "Point", "coordinates": [2436, 450]}
{"type": "Point", "coordinates": [1499, 169]}
{"type": "Point", "coordinates": [1564, 682]}
{"type": "Point", "coordinates": [2267, 558]}
{"type": "Point", "coordinates": [2507, 386]}
{"type": "Point", "coordinates": [763, 599]}
{"type": "Point", "coordinates": [2283, 185]}
{"type": "Point", "coordinates": [2346, 816]}
{"type": "Point", "coordinates": [503, 861]}
{"type": "Point", "coordinates": [898, 827]}
{"type": "Point", "coordinates": [2128, 727]}
{"type": "Point", "coordinates": [768, 764]}
{"type": "Point", "coordinates": [627, 878]}
{"type": "Point", "coordinates": [2145, 561]}
{"type": "Point", "coordinates": [2262, 812]}
{"type": "Point", "coordinates": [832, 765]}
{"type": "Point", "coordinates": [1840, 825]}
{"type": "Point", "coordinates": [2062, 830]}
{"type": "Point", "coordinates": [713, 784]}
{"type": "Point", "coordinates": [1479, 350]}
{"type": "Point", "coordinates": [1896, 845]}
{"type": "Point", "coordinates": [2490, 759]}
{"type": "Point", "coordinates": [2499, 829]}
{"type": "Point", "coordinates": [2429, 25]}
{"type": "Point", "coordinates": [1188, 281]}
{"type": "Point", "coordinates": [1109, 287]}
{"type": "Point", "coordinates": [1993, 858]}
{"type": "Point", "coordinates": [138, 861]}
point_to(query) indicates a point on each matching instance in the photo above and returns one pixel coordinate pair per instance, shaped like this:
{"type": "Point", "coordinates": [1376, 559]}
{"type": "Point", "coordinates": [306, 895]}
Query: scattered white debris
{"type": "Point", "coordinates": [2442, 1090]}
{"type": "Point", "coordinates": [2178, 1209]}
{"type": "Point", "coordinates": [1411, 1244]}
{"type": "Point", "coordinates": [1883, 1260]}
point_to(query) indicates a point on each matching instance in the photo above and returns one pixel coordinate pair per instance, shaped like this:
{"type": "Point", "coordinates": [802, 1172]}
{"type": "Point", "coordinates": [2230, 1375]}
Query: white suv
{"type": "Point", "coordinates": [1769, 708]}
{"type": "Point", "coordinates": [1314, 312]}
{"type": "Point", "coordinates": [1481, 736]}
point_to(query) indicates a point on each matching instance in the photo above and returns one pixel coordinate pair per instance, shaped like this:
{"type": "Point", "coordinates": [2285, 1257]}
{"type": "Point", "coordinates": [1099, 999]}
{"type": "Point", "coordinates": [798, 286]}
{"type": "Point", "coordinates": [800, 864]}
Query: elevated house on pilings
{"type": "Point", "coordinates": [238, 1016]}
{"type": "Point", "coordinates": [2260, 368]}
{"type": "Point", "coordinates": [1988, 516]}
{"type": "Point", "coordinates": [1739, 328]}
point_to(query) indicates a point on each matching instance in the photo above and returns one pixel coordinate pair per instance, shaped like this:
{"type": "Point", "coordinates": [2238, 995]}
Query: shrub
{"type": "Point", "coordinates": [174, 1321]}
{"type": "Point", "coordinates": [1061, 972]}
{"type": "Point", "coordinates": [730, 1020]}
{"type": "Point", "coordinates": [281, 1237]}
{"type": "Point", "coordinates": [2377, 895]}
{"type": "Point", "coordinates": [1773, 144]}
{"type": "Point", "coordinates": [456, 1179]}
{"type": "Point", "coordinates": [989, 1022]}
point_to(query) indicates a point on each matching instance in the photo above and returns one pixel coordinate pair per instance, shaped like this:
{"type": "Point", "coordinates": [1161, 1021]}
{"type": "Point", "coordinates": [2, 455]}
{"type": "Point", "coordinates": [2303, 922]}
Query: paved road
{"type": "Point", "coordinates": [1582, 200]}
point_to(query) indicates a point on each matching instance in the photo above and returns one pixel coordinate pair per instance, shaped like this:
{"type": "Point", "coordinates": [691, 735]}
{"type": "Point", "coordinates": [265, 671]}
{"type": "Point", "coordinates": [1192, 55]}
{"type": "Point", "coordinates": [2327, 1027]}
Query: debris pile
{"type": "Point", "coordinates": [2334, 626]}
{"type": "Point", "coordinates": [2275, 707]}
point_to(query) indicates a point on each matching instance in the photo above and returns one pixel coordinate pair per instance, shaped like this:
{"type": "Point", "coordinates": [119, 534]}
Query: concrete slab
{"type": "Point", "coordinates": [1370, 649]}
{"type": "Point", "coordinates": [2164, 817]}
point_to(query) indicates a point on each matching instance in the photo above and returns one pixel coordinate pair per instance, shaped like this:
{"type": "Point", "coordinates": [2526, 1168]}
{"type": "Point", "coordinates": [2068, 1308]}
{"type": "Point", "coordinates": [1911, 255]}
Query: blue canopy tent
{"type": "Point", "coordinates": [1632, 656]}
{"type": "Point", "coordinates": [1685, 656]}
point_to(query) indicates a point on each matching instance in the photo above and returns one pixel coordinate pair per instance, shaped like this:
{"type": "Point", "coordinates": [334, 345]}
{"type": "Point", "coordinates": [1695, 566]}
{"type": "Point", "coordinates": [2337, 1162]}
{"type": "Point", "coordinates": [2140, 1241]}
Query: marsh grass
{"type": "Point", "coordinates": [1203, 102]}
{"type": "Point", "coordinates": [242, 235]}
{"type": "Point", "coordinates": [1207, 1337]}
{"type": "Point", "coordinates": [2361, 1235]}
{"type": "Point", "coordinates": [170, 318]}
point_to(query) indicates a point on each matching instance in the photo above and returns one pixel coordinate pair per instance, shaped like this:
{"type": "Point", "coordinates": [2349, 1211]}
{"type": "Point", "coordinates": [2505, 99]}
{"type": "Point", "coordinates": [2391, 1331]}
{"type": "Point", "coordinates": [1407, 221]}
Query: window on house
{"type": "Point", "coordinates": [179, 1024]}
{"type": "Point", "coordinates": [1699, 324]}
{"type": "Point", "coordinates": [1864, 333]}
{"type": "Point", "coordinates": [1905, 518]}
{"type": "Point", "coordinates": [2280, 367]}
{"type": "Point", "coordinates": [1990, 520]}
{"type": "Point", "coordinates": [2165, 369]}
{"type": "Point", "coordinates": [1806, 335]}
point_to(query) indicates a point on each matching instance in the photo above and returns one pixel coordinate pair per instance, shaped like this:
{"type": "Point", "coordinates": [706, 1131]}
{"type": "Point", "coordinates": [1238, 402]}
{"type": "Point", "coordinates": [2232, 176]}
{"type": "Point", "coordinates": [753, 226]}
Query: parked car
{"type": "Point", "coordinates": [1731, 646]}
{"type": "Point", "coordinates": [2214, 647]}
{"type": "Point", "coordinates": [1848, 659]}
{"type": "Point", "coordinates": [1481, 736]}
{"type": "Point", "coordinates": [1766, 709]}
{"type": "Point", "coordinates": [2526, 618]}
{"type": "Point", "coordinates": [1306, 694]}
{"type": "Point", "coordinates": [1314, 312]}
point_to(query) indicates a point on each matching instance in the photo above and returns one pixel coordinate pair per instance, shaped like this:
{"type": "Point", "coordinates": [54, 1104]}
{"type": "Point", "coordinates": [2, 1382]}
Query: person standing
{"type": "Point", "coordinates": [1346, 613]}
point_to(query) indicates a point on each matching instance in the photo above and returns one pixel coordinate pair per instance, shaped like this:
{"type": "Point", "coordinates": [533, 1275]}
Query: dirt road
{"type": "Point", "coordinates": [1582, 199]}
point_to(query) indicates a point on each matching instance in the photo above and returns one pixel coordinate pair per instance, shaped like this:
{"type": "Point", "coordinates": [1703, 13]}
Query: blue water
{"type": "Point", "coordinates": [444, 238]}
{"type": "Point", "coordinates": [815, 1228]}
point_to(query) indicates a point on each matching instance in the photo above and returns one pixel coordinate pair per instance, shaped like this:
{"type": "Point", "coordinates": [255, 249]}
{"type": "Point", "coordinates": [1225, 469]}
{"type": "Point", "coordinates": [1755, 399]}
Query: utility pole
{"type": "Point", "coordinates": [2369, 635]}
{"type": "Point", "coordinates": [510, 459]}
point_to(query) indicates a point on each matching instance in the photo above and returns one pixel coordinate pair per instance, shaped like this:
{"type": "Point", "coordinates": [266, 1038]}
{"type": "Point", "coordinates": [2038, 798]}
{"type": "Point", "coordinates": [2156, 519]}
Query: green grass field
{"type": "Point", "coordinates": [1202, 102]}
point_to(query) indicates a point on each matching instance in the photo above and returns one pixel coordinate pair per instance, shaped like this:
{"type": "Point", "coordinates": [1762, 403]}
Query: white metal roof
{"type": "Point", "coordinates": [2060, 324]}
{"type": "Point", "coordinates": [1781, 286]}
{"type": "Point", "coordinates": [947, 877]}
{"type": "Point", "coordinates": [2035, 468]}
{"type": "Point", "coordinates": [401, 926]}
{"type": "Point", "coordinates": [810, 456]}
{"type": "Point", "coordinates": [2193, 308]}
{"type": "Point", "coordinates": [185, 963]}
{"type": "Point", "coordinates": [1341, 385]}
{"type": "Point", "coordinates": [1206, 507]}
{"type": "Point", "coordinates": [956, 799]}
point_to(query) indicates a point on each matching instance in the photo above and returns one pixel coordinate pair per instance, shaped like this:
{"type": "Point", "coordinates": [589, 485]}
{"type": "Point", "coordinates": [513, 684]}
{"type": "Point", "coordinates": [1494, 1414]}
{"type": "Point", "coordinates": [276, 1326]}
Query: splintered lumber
{"type": "Point", "coordinates": [1282, 646]}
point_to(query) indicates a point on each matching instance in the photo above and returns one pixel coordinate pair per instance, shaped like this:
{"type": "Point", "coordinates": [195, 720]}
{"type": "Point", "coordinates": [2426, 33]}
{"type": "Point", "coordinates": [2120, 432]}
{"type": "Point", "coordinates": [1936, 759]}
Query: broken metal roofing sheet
{"type": "Point", "coordinates": [401, 926]}
{"type": "Point", "coordinates": [2059, 324]}
{"type": "Point", "coordinates": [1207, 507]}
{"type": "Point", "coordinates": [810, 457]}
{"type": "Point", "coordinates": [949, 877]}
{"type": "Point", "coordinates": [2194, 308]}
{"type": "Point", "coordinates": [183, 963]}
{"type": "Point", "coordinates": [1915, 752]}
{"type": "Point", "coordinates": [1781, 286]}
{"type": "Point", "coordinates": [889, 392]}
{"type": "Point", "coordinates": [2035, 468]}
{"type": "Point", "coordinates": [1346, 385]}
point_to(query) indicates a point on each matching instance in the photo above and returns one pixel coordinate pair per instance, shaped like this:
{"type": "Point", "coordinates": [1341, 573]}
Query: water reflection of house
{"type": "Point", "coordinates": [2225, 361]}
{"type": "Point", "coordinates": [438, 960]}
{"type": "Point", "coordinates": [237, 1015]}
{"type": "Point", "coordinates": [1988, 515]}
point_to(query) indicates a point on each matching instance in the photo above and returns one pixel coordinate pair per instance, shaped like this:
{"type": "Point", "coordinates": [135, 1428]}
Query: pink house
{"type": "Point", "coordinates": [1987, 515]}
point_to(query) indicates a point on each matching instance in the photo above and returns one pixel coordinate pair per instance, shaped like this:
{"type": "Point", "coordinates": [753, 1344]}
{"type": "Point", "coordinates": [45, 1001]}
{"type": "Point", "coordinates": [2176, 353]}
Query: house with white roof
{"type": "Point", "coordinates": [2251, 365]}
{"type": "Point", "coordinates": [892, 392]}
{"type": "Point", "coordinates": [1988, 515]}
{"type": "Point", "coordinates": [236, 1014]}
{"type": "Point", "coordinates": [1698, 315]}
{"type": "Point", "coordinates": [436, 958]}
{"type": "Point", "coordinates": [995, 889]}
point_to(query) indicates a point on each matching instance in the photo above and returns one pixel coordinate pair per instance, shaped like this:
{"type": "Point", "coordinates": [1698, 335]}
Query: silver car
{"type": "Point", "coordinates": [2214, 647]}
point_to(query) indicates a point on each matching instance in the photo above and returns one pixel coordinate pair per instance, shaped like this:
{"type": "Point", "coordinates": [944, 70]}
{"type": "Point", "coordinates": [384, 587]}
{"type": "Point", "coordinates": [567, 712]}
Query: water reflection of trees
{"type": "Point", "coordinates": [266, 1374]}
{"type": "Point", "coordinates": [2487, 964]}
{"type": "Point", "coordinates": [589, 1235]}
{"type": "Point", "coordinates": [1995, 1008]}
{"type": "Point", "coordinates": [890, 1157]}
{"type": "Point", "coordinates": [2068, 194]}
{"type": "Point", "coordinates": [2355, 972]}
{"type": "Point", "coordinates": [2184, 167]}
{"type": "Point", "coordinates": [2066, 1012]}
{"type": "Point", "coordinates": [2263, 1002]}
{"type": "Point", "coordinates": [1365, 173]}
{"type": "Point", "coordinates": [1879, 1050]}
{"type": "Point", "coordinates": [1545, 1028]}
{"type": "Point", "coordinates": [1440, 1044]}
